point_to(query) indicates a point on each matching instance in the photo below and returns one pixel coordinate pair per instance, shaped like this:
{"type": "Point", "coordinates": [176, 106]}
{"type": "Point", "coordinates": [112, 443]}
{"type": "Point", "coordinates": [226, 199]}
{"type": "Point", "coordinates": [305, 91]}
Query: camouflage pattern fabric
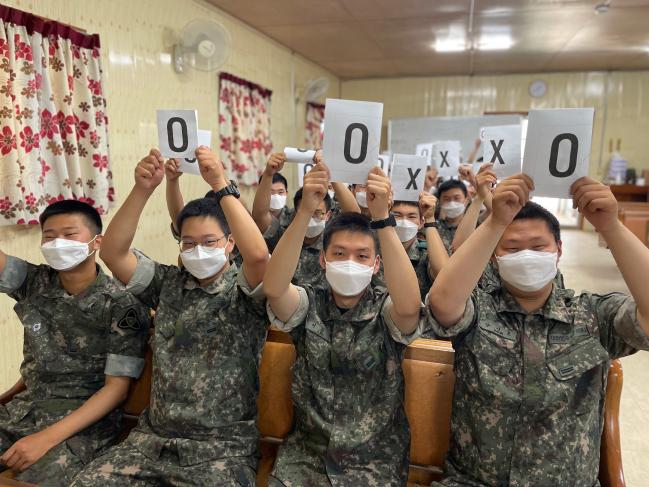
{"type": "Point", "coordinates": [418, 254]}
{"type": "Point", "coordinates": [277, 227]}
{"type": "Point", "coordinates": [126, 465]}
{"type": "Point", "coordinates": [71, 343]}
{"type": "Point", "coordinates": [528, 405]}
{"type": "Point", "coordinates": [308, 270]}
{"type": "Point", "coordinates": [207, 346]}
{"type": "Point", "coordinates": [447, 234]}
{"type": "Point", "coordinates": [350, 424]}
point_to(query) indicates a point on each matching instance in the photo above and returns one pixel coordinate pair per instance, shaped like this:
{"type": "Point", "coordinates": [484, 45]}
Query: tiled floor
{"type": "Point", "coordinates": [586, 266]}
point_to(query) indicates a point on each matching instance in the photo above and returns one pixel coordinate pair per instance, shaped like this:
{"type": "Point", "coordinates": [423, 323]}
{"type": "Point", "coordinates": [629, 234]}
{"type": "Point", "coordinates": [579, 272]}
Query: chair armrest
{"type": "Point", "coordinates": [8, 395]}
{"type": "Point", "coordinates": [611, 473]}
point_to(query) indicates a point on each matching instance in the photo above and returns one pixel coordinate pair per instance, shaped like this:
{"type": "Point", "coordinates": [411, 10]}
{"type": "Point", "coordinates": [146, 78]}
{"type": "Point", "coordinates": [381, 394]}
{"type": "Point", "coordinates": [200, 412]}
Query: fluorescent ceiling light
{"type": "Point", "coordinates": [450, 45]}
{"type": "Point", "coordinates": [495, 42]}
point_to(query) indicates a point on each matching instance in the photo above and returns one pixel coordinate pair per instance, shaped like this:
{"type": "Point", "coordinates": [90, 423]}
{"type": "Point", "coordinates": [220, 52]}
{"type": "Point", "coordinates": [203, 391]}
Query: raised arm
{"type": "Point", "coordinates": [598, 205]}
{"type": "Point", "coordinates": [29, 449]}
{"type": "Point", "coordinates": [455, 283]}
{"type": "Point", "coordinates": [175, 201]}
{"type": "Point", "coordinates": [474, 152]}
{"type": "Point", "coordinates": [344, 196]}
{"type": "Point", "coordinates": [261, 204]}
{"type": "Point", "coordinates": [485, 179]}
{"type": "Point", "coordinates": [283, 297]}
{"type": "Point", "coordinates": [247, 236]}
{"type": "Point", "coordinates": [400, 276]}
{"type": "Point", "coordinates": [116, 245]}
{"type": "Point", "coordinates": [437, 254]}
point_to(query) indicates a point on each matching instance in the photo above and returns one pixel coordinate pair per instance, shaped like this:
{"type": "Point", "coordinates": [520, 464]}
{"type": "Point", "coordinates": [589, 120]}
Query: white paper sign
{"type": "Point", "coordinates": [408, 175]}
{"type": "Point", "coordinates": [302, 169]}
{"type": "Point", "coordinates": [425, 150]}
{"type": "Point", "coordinates": [300, 156]}
{"type": "Point", "coordinates": [446, 157]}
{"type": "Point", "coordinates": [557, 149]}
{"type": "Point", "coordinates": [384, 163]}
{"type": "Point", "coordinates": [352, 136]}
{"type": "Point", "coordinates": [502, 147]}
{"type": "Point", "coordinates": [190, 165]}
{"type": "Point", "coordinates": [177, 132]}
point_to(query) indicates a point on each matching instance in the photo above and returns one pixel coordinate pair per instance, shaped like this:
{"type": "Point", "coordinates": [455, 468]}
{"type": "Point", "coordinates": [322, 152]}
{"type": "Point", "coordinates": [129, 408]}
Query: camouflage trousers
{"type": "Point", "coordinates": [56, 468]}
{"type": "Point", "coordinates": [299, 466]}
{"type": "Point", "coordinates": [125, 465]}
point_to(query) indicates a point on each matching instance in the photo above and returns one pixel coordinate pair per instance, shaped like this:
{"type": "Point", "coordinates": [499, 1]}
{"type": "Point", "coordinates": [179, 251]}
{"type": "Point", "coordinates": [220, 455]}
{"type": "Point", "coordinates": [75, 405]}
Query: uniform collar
{"type": "Point", "coordinates": [414, 252]}
{"type": "Point", "coordinates": [220, 285]}
{"type": "Point", "coordinates": [317, 245]}
{"type": "Point", "coordinates": [555, 307]}
{"type": "Point", "coordinates": [367, 308]}
{"type": "Point", "coordinates": [54, 289]}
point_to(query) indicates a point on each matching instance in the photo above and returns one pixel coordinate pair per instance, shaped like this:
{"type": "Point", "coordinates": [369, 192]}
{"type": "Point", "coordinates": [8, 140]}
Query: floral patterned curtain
{"type": "Point", "coordinates": [244, 127]}
{"type": "Point", "coordinates": [53, 123]}
{"type": "Point", "coordinates": [313, 126]}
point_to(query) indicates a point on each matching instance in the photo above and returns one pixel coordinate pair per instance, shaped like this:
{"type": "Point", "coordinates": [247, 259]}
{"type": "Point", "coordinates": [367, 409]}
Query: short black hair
{"type": "Point", "coordinates": [407, 203]}
{"type": "Point", "coordinates": [451, 184]}
{"type": "Point", "coordinates": [205, 207]}
{"type": "Point", "coordinates": [349, 222]}
{"type": "Point", "coordinates": [71, 207]}
{"type": "Point", "coordinates": [297, 198]}
{"type": "Point", "coordinates": [277, 178]}
{"type": "Point", "coordinates": [534, 211]}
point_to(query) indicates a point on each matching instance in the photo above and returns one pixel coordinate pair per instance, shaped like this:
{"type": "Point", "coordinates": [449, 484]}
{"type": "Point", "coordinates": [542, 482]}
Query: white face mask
{"type": "Point", "coordinates": [348, 278]}
{"type": "Point", "coordinates": [277, 201]}
{"type": "Point", "coordinates": [315, 228]}
{"type": "Point", "coordinates": [62, 254]}
{"type": "Point", "coordinates": [528, 270]}
{"type": "Point", "coordinates": [406, 230]}
{"type": "Point", "coordinates": [361, 199]}
{"type": "Point", "coordinates": [332, 193]}
{"type": "Point", "coordinates": [203, 262]}
{"type": "Point", "coordinates": [453, 209]}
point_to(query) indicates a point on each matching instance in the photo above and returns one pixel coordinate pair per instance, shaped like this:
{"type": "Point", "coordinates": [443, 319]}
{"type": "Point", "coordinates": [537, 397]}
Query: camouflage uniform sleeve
{"type": "Point", "coordinates": [15, 277]}
{"type": "Point", "coordinates": [394, 330]}
{"type": "Point", "coordinates": [130, 321]}
{"type": "Point", "coordinates": [620, 332]}
{"type": "Point", "coordinates": [468, 320]}
{"type": "Point", "coordinates": [273, 233]}
{"type": "Point", "coordinates": [147, 280]}
{"type": "Point", "coordinates": [298, 317]}
{"type": "Point", "coordinates": [254, 296]}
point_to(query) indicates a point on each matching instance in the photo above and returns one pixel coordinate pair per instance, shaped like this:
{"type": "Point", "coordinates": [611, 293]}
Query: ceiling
{"type": "Point", "coordinates": [392, 38]}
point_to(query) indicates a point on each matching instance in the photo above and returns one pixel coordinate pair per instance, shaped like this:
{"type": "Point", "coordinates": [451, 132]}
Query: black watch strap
{"type": "Point", "coordinates": [230, 190]}
{"type": "Point", "coordinates": [430, 225]}
{"type": "Point", "coordinates": [388, 222]}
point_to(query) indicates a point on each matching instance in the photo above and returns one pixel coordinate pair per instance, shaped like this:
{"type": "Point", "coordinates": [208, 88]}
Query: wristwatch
{"type": "Point", "coordinates": [230, 190]}
{"type": "Point", "coordinates": [388, 222]}
{"type": "Point", "coordinates": [431, 225]}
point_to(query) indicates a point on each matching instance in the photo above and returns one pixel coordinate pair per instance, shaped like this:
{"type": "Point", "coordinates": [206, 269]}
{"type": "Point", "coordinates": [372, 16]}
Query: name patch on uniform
{"type": "Point", "coordinates": [130, 321]}
{"type": "Point", "coordinates": [498, 329]}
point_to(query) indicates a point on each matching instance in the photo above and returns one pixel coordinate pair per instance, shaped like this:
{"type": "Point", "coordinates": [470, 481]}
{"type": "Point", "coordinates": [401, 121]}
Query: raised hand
{"type": "Point", "coordinates": [427, 204]}
{"type": "Point", "coordinates": [275, 163]}
{"type": "Point", "coordinates": [485, 180]}
{"type": "Point", "coordinates": [314, 190]}
{"type": "Point", "coordinates": [510, 196]}
{"type": "Point", "coordinates": [150, 171]}
{"type": "Point", "coordinates": [596, 202]}
{"type": "Point", "coordinates": [171, 169]}
{"type": "Point", "coordinates": [379, 194]}
{"type": "Point", "coordinates": [211, 167]}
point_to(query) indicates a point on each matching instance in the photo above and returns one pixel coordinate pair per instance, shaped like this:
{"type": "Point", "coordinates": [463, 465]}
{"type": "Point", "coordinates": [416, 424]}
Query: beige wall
{"type": "Point", "coordinates": [136, 41]}
{"type": "Point", "coordinates": [621, 100]}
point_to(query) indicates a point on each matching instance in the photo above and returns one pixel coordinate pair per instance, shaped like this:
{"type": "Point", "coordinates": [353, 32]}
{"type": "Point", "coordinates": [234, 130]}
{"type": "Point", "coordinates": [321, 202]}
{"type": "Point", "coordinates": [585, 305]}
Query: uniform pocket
{"type": "Point", "coordinates": [317, 345]}
{"type": "Point", "coordinates": [493, 346]}
{"type": "Point", "coordinates": [578, 359]}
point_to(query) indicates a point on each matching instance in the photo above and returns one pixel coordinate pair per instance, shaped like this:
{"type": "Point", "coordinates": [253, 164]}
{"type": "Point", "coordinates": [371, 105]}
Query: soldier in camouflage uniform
{"type": "Point", "coordinates": [532, 358]}
{"type": "Point", "coordinates": [210, 327]}
{"type": "Point", "coordinates": [84, 341]}
{"type": "Point", "coordinates": [428, 256]}
{"type": "Point", "coordinates": [350, 425]}
{"type": "Point", "coordinates": [453, 198]}
{"type": "Point", "coordinates": [269, 209]}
